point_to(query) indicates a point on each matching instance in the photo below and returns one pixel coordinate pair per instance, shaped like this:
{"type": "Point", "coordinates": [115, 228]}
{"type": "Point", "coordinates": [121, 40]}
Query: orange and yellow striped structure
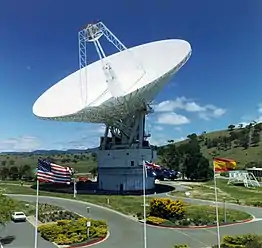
{"type": "Point", "coordinates": [224, 164]}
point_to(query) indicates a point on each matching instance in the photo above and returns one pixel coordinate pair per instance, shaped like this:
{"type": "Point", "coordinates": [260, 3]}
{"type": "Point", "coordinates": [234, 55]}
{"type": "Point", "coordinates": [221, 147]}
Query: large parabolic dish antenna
{"type": "Point", "coordinates": [114, 86]}
{"type": "Point", "coordinates": [116, 90]}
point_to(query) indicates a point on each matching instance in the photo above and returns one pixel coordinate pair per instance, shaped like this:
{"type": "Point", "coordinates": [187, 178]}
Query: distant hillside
{"type": "Point", "coordinates": [52, 152]}
{"type": "Point", "coordinates": [244, 144]}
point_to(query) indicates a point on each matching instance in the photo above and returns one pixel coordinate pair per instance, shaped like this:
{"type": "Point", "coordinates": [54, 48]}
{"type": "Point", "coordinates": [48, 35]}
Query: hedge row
{"type": "Point", "coordinates": [67, 232]}
{"type": "Point", "coordinates": [240, 241]}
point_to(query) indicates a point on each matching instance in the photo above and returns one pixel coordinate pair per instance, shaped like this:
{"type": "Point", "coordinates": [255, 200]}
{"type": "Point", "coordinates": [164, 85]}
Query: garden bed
{"type": "Point", "coordinates": [73, 233]}
{"type": "Point", "coordinates": [177, 214]}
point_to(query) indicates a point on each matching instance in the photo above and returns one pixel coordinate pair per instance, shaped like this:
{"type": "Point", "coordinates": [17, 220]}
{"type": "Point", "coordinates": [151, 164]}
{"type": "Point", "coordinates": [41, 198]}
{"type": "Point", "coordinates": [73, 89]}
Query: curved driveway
{"type": "Point", "coordinates": [128, 233]}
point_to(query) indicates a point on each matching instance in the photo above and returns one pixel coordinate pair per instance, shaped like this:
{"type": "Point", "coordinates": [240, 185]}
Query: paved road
{"type": "Point", "coordinates": [21, 235]}
{"type": "Point", "coordinates": [125, 232]}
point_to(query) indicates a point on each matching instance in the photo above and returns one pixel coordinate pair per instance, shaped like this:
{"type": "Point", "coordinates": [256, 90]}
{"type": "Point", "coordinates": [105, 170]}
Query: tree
{"type": "Point", "coordinates": [195, 166]}
{"type": "Point", "coordinates": [4, 173]}
{"type": "Point", "coordinates": [94, 156]}
{"type": "Point", "coordinates": [231, 127]}
{"type": "Point", "coordinates": [94, 171]}
{"type": "Point", "coordinates": [11, 162]}
{"type": "Point", "coordinates": [240, 125]}
{"type": "Point", "coordinates": [255, 138]}
{"type": "Point", "coordinates": [3, 163]}
{"type": "Point", "coordinates": [25, 171]}
{"type": "Point", "coordinates": [14, 172]}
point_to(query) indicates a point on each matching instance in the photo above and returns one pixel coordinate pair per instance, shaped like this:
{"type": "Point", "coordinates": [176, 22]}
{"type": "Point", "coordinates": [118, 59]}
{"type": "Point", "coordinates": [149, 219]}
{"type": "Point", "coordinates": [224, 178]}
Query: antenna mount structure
{"type": "Point", "coordinates": [92, 33]}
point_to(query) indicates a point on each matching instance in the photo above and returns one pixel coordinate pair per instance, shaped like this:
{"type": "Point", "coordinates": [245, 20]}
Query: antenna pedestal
{"type": "Point", "coordinates": [123, 148]}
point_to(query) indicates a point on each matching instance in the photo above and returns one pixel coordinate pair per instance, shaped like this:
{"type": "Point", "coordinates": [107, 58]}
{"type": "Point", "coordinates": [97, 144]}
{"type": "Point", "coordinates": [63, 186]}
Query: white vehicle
{"type": "Point", "coordinates": [18, 216]}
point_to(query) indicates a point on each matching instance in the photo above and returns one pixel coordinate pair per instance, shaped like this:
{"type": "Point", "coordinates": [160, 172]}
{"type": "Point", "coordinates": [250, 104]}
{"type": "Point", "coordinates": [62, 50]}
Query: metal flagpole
{"type": "Point", "coordinates": [36, 211]}
{"type": "Point", "coordinates": [75, 191]}
{"type": "Point", "coordinates": [144, 202]}
{"type": "Point", "coordinates": [216, 200]}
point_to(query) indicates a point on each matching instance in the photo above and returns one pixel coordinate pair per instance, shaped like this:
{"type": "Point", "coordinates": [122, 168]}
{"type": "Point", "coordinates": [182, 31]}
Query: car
{"type": "Point", "coordinates": [18, 216]}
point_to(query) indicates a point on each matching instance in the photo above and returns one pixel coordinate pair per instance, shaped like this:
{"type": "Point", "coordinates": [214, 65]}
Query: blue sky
{"type": "Point", "coordinates": [220, 84]}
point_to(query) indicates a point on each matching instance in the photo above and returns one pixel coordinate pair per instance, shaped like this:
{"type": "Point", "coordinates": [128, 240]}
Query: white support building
{"type": "Point", "coordinates": [123, 149]}
{"type": "Point", "coordinates": [243, 177]}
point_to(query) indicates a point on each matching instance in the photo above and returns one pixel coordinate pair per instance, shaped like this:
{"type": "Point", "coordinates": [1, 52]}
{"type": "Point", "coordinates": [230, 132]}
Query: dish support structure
{"type": "Point", "coordinates": [243, 177]}
{"type": "Point", "coordinates": [123, 150]}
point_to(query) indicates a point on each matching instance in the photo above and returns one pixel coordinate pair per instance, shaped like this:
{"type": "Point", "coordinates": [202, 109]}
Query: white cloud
{"type": "Point", "coordinates": [247, 119]}
{"type": "Point", "coordinates": [178, 129]}
{"type": "Point", "coordinates": [160, 140]}
{"type": "Point", "coordinates": [19, 144]}
{"type": "Point", "coordinates": [205, 112]}
{"type": "Point", "coordinates": [172, 119]}
{"type": "Point", "coordinates": [87, 137]}
{"type": "Point", "coordinates": [158, 128]}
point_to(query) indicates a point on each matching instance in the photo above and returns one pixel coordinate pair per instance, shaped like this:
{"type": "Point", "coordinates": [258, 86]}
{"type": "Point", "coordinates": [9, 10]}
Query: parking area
{"type": "Point", "coordinates": [21, 235]}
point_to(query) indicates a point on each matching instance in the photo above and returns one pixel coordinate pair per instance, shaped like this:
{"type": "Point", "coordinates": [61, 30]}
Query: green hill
{"type": "Point", "coordinates": [243, 144]}
{"type": "Point", "coordinates": [82, 162]}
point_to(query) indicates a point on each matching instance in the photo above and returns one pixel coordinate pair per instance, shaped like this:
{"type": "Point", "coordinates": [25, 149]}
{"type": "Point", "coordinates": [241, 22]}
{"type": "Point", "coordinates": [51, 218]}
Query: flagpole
{"type": "Point", "coordinates": [36, 212]}
{"type": "Point", "coordinates": [144, 203]}
{"type": "Point", "coordinates": [75, 192]}
{"type": "Point", "coordinates": [217, 214]}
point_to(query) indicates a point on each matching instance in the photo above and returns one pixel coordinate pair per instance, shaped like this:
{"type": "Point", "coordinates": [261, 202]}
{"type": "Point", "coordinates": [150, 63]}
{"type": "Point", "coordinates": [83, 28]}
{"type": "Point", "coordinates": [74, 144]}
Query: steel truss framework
{"type": "Point", "coordinates": [244, 177]}
{"type": "Point", "coordinates": [130, 131]}
{"type": "Point", "coordinates": [92, 33]}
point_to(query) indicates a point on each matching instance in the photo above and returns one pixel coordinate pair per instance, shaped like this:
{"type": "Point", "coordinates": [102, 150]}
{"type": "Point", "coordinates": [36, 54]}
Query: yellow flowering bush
{"type": "Point", "coordinates": [155, 220]}
{"type": "Point", "coordinates": [167, 209]}
{"type": "Point", "coordinates": [67, 232]}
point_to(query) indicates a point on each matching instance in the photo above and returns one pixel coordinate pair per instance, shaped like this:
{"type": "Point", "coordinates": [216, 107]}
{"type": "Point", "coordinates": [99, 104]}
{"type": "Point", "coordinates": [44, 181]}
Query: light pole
{"type": "Point", "coordinates": [88, 223]}
{"type": "Point", "coordinates": [144, 200]}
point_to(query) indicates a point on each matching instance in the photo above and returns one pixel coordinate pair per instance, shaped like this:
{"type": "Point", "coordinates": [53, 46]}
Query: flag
{"type": "Point", "coordinates": [54, 173]}
{"type": "Point", "coordinates": [224, 164]}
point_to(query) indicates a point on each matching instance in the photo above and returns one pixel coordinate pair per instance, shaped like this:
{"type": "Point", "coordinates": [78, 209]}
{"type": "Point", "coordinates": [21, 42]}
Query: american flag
{"type": "Point", "coordinates": [49, 172]}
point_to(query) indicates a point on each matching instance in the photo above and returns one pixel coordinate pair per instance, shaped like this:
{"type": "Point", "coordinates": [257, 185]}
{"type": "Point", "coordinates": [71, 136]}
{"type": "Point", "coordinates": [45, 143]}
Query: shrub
{"type": "Point", "coordinates": [255, 204]}
{"type": "Point", "coordinates": [181, 246]}
{"type": "Point", "coordinates": [67, 232]}
{"type": "Point", "coordinates": [155, 220]}
{"type": "Point", "coordinates": [241, 241]}
{"type": "Point", "coordinates": [167, 209]}
{"type": "Point", "coordinates": [57, 215]}
{"type": "Point", "coordinates": [224, 174]}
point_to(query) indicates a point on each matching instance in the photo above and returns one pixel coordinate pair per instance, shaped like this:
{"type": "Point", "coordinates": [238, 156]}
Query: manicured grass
{"type": "Point", "coordinates": [15, 182]}
{"type": "Point", "coordinates": [208, 213]}
{"type": "Point", "coordinates": [228, 193]}
{"type": "Point", "coordinates": [129, 205]}
{"type": "Point", "coordinates": [13, 205]}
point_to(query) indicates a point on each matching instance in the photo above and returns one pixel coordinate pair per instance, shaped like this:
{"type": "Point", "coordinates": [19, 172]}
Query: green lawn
{"type": "Point", "coordinates": [130, 205]}
{"type": "Point", "coordinates": [229, 193]}
{"type": "Point", "coordinates": [208, 213]}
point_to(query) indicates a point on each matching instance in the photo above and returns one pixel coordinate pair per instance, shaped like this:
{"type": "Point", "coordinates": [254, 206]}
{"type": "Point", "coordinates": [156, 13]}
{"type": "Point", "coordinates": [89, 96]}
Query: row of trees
{"type": "Point", "coordinates": [16, 173]}
{"type": "Point", "coordinates": [186, 158]}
